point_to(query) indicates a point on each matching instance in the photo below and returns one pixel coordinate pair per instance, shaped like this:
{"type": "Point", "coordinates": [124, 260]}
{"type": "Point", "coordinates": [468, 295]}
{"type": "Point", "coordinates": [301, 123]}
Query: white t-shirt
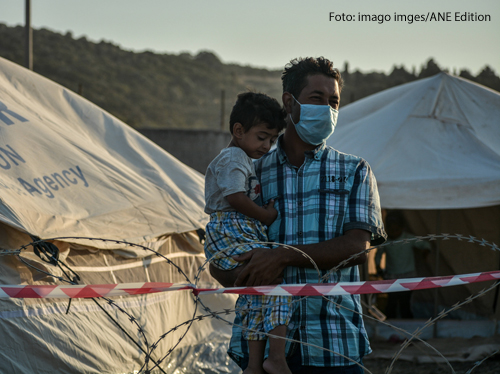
{"type": "Point", "coordinates": [230, 172]}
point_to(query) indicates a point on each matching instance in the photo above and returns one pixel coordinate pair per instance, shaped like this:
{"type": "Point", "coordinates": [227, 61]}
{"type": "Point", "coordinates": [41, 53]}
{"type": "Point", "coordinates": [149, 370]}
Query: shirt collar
{"type": "Point", "coordinates": [314, 154]}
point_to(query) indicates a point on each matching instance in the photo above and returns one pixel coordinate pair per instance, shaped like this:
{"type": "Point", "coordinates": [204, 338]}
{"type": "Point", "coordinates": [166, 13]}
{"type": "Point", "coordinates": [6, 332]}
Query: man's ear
{"type": "Point", "coordinates": [238, 130]}
{"type": "Point", "coordinates": [287, 99]}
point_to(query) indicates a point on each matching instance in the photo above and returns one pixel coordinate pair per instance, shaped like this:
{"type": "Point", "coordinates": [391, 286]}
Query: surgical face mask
{"type": "Point", "coordinates": [316, 123]}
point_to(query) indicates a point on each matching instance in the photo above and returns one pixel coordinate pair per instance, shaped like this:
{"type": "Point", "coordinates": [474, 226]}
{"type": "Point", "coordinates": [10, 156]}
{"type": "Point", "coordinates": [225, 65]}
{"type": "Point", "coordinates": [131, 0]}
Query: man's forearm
{"type": "Point", "coordinates": [329, 254]}
{"type": "Point", "coordinates": [265, 265]}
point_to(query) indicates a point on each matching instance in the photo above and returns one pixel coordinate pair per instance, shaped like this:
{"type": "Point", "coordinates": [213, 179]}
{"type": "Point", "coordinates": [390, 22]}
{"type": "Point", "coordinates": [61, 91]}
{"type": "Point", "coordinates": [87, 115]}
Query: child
{"type": "Point", "coordinates": [232, 195]}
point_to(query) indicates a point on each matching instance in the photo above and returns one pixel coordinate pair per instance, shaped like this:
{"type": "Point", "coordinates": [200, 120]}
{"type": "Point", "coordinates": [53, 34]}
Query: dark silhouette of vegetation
{"type": "Point", "coordinates": [148, 90]}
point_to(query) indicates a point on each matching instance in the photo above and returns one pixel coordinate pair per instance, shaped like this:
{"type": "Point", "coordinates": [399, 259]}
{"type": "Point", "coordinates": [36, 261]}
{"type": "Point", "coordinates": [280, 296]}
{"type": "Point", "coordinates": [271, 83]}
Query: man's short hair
{"type": "Point", "coordinates": [252, 108]}
{"type": "Point", "coordinates": [294, 76]}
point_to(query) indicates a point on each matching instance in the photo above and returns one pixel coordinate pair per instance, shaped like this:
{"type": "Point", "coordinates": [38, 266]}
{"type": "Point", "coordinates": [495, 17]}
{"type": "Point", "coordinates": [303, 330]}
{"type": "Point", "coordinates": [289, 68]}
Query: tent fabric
{"type": "Point", "coordinates": [457, 257]}
{"type": "Point", "coordinates": [433, 143]}
{"type": "Point", "coordinates": [68, 168]}
{"type": "Point", "coordinates": [43, 336]}
{"type": "Point", "coordinates": [434, 146]}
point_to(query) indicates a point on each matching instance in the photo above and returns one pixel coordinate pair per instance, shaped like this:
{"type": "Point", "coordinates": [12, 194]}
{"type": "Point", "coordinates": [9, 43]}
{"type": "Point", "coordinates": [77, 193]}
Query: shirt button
{"type": "Point", "coordinates": [300, 233]}
{"type": "Point", "coordinates": [300, 202]}
{"type": "Point", "coordinates": [300, 173]}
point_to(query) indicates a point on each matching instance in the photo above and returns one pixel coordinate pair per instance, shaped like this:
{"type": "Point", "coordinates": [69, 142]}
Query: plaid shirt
{"type": "Point", "coordinates": [329, 194]}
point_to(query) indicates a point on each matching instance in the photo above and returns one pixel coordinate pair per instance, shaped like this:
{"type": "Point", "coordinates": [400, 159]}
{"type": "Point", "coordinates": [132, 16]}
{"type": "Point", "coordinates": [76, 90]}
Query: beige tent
{"type": "Point", "coordinates": [71, 171]}
{"type": "Point", "coordinates": [434, 145]}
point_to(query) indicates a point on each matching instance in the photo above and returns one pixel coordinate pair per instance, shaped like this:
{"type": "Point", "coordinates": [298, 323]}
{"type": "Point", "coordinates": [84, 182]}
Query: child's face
{"type": "Point", "coordinates": [257, 141]}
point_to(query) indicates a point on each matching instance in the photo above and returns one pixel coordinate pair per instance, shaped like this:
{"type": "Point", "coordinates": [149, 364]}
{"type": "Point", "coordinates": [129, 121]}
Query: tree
{"type": "Point", "coordinates": [431, 69]}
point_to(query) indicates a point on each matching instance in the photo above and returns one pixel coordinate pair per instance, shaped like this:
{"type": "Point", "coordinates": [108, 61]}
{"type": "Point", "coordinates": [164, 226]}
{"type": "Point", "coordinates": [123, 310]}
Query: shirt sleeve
{"type": "Point", "coordinates": [364, 210]}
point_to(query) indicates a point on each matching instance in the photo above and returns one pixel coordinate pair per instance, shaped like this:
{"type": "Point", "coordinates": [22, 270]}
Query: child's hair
{"type": "Point", "coordinates": [252, 108]}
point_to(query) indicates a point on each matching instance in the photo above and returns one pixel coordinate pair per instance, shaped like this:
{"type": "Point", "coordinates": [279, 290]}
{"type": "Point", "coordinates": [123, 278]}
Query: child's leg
{"type": "Point", "coordinates": [250, 307]}
{"type": "Point", "coordinates": [277, 316]}
{"type": "Point", "coordinates": [256, 349]}
{"type": "Point", "coordinates": [276, 361]}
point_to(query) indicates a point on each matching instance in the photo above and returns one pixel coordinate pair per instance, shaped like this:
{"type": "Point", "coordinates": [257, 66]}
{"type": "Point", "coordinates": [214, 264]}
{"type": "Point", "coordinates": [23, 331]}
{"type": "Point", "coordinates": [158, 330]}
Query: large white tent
{"type": "Point", "coordinates": [434, 143]}
{"type": "Point", "coordinates": [69, 169]}
{"type": "Point", "coordinates": [434, 146]}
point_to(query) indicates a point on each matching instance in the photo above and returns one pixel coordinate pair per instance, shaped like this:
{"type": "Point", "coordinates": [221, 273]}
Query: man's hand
{"type": "Point", "coordinates": [264, 267]}
{"type": "Point", "coordinates": [225, 277]}
{"type": "Point", "coordinates": [228, 278]}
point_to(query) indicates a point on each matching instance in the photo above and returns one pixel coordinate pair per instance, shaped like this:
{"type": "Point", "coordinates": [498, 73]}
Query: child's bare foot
{"type": "Point", "coordinates": [276, 365]}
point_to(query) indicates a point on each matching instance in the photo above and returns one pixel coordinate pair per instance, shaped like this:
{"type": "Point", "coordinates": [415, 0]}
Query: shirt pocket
{"type": "Point", "coordinates": [330, 210]}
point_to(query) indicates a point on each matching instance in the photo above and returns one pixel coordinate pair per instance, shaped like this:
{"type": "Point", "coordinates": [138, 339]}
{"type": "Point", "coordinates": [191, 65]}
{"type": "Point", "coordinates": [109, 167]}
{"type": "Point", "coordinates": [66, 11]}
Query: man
{"type": "Point", "coordinates": [328, 207]}
{"type": "Point", "coordinates": [399, 262]}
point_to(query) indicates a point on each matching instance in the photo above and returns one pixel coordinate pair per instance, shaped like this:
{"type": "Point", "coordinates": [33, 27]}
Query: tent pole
{"type": "Point", "coordinates": [28, 56]}
{"type": "Point", "coordinates": [436, 271]}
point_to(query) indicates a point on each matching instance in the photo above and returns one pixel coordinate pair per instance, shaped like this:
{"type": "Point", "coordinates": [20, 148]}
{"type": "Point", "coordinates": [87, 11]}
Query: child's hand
{"type": "Point", "coordinates": [271, 215]}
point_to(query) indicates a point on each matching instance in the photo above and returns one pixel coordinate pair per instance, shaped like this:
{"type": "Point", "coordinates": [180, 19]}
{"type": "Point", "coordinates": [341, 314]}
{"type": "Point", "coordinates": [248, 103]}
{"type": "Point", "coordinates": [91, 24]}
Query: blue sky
{"type": "Point", "coordinates": [268, 33]}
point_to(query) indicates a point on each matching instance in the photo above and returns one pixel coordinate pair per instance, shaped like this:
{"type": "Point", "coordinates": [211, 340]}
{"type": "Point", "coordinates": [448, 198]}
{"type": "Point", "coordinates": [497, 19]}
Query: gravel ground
{"type": "Point", "coordinates": [380, 366]}
{"type": "Point", "coordinates": [419, 359]}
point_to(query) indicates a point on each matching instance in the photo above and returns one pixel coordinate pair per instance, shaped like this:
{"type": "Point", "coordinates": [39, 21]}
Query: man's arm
{"type": "Point", "coordinates": [265, 266]}
{"type": "Point", "coordinates": [228, 277]}
{"type": "Point", "coordinates": [225, 277]}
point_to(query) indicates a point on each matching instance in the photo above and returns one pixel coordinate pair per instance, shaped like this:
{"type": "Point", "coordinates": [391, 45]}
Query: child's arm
{"type": "Point", "coordinates": [243, 204]}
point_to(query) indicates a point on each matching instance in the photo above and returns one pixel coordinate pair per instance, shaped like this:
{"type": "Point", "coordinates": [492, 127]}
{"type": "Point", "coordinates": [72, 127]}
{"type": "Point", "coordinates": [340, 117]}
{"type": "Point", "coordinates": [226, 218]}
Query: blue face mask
{"type": "Point", "coordinates": [316, 123]}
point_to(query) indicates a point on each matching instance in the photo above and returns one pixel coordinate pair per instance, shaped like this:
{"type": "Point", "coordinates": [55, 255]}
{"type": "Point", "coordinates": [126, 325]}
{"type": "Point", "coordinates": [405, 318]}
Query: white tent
{"type": "Point", "coordinates": [69, 169]}
{"type": "Point", "coordinates": [434, 146]}
{"type": "Point", "coordinates": [433, 143]}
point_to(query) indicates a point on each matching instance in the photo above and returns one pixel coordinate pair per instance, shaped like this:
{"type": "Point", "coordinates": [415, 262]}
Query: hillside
{"type": "Point", "coordinates": [148, 90]}
{"type": "Point", "coordinates": [142, 89]}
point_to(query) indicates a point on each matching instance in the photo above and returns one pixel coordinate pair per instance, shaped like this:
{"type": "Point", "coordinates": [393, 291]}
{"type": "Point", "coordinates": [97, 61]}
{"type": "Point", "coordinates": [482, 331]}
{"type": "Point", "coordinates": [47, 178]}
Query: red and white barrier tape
{"type": "Point", "coordinates": [310, 289]}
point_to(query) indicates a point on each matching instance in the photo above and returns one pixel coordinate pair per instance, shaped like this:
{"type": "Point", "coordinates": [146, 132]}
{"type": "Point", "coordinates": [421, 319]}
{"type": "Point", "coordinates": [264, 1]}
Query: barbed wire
{"type": "Point", "coordinates": [431, 322]}
{"type": "Point", "coordinates": [148, 349]}
{"type": "Point", "coordinates": [112, 303]}
{"type": "Point", "coordinates": [478, 363]}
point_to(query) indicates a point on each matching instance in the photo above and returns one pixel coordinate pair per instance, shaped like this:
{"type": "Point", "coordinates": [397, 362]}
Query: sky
{"type": "Point", "coordinates": [268, 33]}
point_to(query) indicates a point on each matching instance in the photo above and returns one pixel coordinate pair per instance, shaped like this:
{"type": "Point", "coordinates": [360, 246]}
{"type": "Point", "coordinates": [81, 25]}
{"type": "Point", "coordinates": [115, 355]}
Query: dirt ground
{"type": "Point", "coordinates": [462, 354]}
{"type": "Point", "coordinates": [380, 366]}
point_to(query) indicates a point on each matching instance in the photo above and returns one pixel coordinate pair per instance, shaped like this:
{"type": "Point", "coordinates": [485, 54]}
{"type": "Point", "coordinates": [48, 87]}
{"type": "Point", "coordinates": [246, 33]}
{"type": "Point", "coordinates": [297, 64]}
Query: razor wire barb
{"type": "Point", "coordinates": [112, 303]}
{"type": "Point", "coordinates": [432, 321]}
{"type": "Point", "coordinates": [413, 336]}
{"type": "Point", "coordinates": [216, 314]}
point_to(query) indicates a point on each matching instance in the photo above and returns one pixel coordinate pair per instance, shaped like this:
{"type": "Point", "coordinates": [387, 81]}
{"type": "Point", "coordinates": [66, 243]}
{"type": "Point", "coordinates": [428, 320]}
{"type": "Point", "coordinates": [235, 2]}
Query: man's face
{"type": "Point", "coordinates": [320, 90]}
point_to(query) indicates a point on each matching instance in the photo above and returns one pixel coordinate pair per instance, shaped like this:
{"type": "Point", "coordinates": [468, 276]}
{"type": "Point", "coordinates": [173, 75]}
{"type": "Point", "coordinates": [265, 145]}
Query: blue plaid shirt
{"type": "Point", "coordinates": [329, 194]}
